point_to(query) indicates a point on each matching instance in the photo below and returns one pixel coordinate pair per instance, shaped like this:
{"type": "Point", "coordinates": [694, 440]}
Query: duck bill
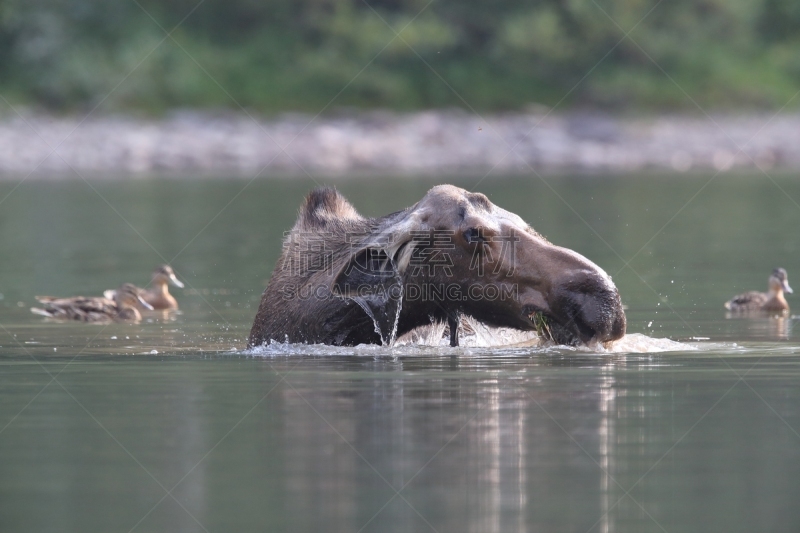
{"type": "Point", "coordinates": [145, 304]}
{"type": "Point", "coordinates": [786, 287]}
{"type": "Point", "coordinates": [175, 281]}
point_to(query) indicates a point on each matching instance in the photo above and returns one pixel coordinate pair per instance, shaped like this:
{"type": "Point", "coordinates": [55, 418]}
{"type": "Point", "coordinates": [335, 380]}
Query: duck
{"type": "Point", "coordinates": [123, 308]}
{"type": "Point", "coordinates": [764, 301]}
{"type": "Point", "coordinates": [157, 295]}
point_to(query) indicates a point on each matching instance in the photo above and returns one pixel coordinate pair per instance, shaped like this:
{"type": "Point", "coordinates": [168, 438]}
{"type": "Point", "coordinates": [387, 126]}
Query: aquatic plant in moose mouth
{"type": "Point", "coordinates": [345, 279]}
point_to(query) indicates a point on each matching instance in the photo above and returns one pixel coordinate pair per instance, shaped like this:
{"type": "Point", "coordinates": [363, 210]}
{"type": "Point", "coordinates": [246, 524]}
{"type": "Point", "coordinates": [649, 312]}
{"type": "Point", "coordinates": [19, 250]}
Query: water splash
{"type": "Point", "coordinates": [639, 343]}
{"type": "Point", "coordinates": [385, 314]}
{"type": "Point", "coordinates": [434, 334]}
{"type": "Point", "coordinates": [362, 302]}
{"type": "Point", "coordinates": [382, 301]}
{"type": "Point", "coordinates": [434, 339]}
{"type": "Point", "coordinates": [478, 334]}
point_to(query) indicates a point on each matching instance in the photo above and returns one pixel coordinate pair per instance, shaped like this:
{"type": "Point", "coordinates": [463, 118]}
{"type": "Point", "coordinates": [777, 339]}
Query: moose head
{"type": "Point", "coordinates": [346, 279]}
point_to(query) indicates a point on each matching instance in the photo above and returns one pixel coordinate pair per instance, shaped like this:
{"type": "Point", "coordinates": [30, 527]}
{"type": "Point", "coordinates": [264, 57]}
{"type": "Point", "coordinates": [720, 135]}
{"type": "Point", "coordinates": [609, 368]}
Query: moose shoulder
{"type": "Point", "coordinates": [345, 279]}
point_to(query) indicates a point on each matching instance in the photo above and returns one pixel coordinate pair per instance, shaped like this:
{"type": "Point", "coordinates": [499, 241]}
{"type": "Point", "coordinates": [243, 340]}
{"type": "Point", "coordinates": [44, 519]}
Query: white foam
{"type": "Point", "coordinates": [502, 341]}
{"type": "Point", "coordinates": [475, 334]}
{"type": "Point", "coordinates": [638, 343]}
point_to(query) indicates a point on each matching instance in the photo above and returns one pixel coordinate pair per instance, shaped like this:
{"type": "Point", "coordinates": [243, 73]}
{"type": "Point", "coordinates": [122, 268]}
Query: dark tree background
{"type": "Point", "coordinates": [488, 54]}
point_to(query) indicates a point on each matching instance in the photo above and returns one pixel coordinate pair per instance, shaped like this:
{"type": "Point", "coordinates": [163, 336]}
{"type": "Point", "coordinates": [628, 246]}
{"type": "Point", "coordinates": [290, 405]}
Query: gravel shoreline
{"type": "Point", "coordinates": [421, 143]}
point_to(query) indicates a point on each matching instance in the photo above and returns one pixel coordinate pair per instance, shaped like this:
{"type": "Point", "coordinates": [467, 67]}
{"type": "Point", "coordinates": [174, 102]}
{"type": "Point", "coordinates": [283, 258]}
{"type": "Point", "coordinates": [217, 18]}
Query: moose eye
{"type": "Point", "coordinates": [473, 235]}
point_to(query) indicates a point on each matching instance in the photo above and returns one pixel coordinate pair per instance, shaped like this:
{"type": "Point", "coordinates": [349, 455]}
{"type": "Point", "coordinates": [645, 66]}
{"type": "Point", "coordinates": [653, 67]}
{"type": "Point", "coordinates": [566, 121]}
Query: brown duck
{"type": "Point", "coordinates": [157, 294]}
{"type": "Point", "coordinates": [764, 301]}
{"type": "Point", "coordinates": [123, 308]}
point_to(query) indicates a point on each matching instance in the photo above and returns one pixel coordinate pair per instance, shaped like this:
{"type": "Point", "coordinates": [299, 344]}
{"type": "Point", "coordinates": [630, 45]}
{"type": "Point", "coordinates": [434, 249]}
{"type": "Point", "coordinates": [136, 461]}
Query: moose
{"type": "Point", "coordinates": [344, 279]}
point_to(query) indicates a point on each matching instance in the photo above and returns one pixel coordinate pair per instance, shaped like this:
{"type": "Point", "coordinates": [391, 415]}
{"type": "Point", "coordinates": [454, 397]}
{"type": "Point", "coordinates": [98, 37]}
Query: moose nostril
{"type": "Point", "coordinates": [599, 316]}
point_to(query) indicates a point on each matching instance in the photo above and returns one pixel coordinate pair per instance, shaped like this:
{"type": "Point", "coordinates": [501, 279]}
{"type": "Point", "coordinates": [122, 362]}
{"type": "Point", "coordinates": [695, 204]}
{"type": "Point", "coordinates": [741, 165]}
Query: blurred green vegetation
{"type": "Point", "coordinates": [299, 54]}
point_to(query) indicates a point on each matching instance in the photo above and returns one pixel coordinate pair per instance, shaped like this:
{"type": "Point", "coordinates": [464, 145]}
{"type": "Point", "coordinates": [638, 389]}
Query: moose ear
{"type": "Point", "coordinates": [371, 279]}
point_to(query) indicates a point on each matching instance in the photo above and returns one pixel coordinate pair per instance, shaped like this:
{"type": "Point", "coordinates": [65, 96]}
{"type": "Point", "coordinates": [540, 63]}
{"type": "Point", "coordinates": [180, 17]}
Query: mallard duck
{"type": "Point", "coordinates": [95, 309]}
{"type": "Point", "coordinates": [764, 301]}
{"type": "Point", "coordinates": [157, 294]}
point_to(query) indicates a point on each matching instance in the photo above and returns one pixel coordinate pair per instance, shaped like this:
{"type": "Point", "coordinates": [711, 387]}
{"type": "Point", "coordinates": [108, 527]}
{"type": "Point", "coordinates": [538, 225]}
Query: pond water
{"type": "Point", "coordinates": [169, 426]}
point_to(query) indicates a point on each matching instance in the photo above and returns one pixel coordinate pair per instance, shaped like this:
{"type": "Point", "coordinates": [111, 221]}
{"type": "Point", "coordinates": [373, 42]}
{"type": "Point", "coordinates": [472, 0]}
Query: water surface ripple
{"type": "Point", "coordinates": [170, 425]}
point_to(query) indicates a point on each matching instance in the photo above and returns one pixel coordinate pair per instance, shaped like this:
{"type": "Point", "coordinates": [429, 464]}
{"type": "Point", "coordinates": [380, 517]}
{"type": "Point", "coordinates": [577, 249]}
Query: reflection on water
{"type": "Point", "coordinates": [553, 439]}
{"type": "Point", "coordinates": [764, 325]}
{"type": "Point", "coordinates": [606, 434]}
{"type": "Point", "coordinates": [689, 423]}
{"type": "Point", "coordinates": [460, 453]}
